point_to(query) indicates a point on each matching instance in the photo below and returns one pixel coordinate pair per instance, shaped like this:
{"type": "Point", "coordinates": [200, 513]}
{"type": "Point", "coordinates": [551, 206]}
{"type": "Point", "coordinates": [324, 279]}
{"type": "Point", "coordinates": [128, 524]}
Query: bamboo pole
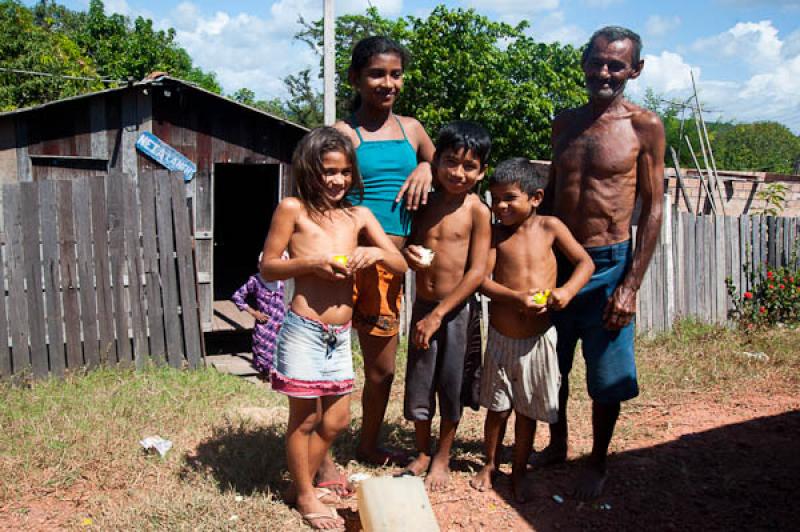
{"type": "Point", "coordinates": [717, 182]}
{"type": "Point", "coordinates": [702, 179]}
{"type": "Point", "coordinates": [329, 63]}
{"type": "Point", "coordinates": [679, 178]}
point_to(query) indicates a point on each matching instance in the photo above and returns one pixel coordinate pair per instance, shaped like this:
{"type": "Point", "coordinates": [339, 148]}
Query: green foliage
{"type": "Point", "coordinates": [775, 297]}
{"type": "Point", "coordinates": [248, 97]}
{"type": "Point", "coordinates": [24, 45]}
{"type": "Point", "coordinates": [774, 195]}
{"type": "Point", "coordinates": [53, 39]}
{"type": "Point", "coordinates": [465, 66]}
{"type": "Point", "coordinates": [762, 146]}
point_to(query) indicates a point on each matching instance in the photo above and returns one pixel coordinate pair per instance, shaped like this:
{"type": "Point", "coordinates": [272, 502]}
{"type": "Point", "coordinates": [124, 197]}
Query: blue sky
{"type": "Point", "coordinates": [745, 53]}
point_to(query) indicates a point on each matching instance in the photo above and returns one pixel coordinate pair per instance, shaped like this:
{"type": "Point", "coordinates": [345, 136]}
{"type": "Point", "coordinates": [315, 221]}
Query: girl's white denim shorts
{"type": "Point", "coordinates": [312, 359]}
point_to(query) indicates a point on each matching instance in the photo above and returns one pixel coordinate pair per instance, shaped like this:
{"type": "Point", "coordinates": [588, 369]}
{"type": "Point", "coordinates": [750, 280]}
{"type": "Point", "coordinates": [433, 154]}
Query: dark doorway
{"type": "Point", "coordinates": [245, 196]}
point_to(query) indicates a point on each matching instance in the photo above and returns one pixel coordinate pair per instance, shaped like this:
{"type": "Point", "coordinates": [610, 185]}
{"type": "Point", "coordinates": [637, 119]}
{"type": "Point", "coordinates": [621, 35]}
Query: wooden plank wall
{"type": "Point", "coordinates": [89, 270]}
{"type": "Point", "coordinates": [694, 256]}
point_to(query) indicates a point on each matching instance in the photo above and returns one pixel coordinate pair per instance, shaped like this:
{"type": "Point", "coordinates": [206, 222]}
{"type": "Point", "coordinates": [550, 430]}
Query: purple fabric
{"type": "Point", "coordinates": [270, 302]}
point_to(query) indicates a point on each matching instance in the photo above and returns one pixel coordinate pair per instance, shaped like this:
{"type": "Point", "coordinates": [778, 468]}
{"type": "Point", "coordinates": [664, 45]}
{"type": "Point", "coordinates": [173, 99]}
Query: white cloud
{"type": "Point", "coordinates": [117, 6]}
{"type": "Point", "coordinates": [755, 43]}
{"type": "Point", "coordinates": [513, 11]}
{"type": "Point", "coordinates": [666, 73]}
{"type": "Point", "coordinates": [658, 26]}
{"type": "Point", "coordinates": [769, 93]}
{"type": "Point", "coordinates": [552, 27]}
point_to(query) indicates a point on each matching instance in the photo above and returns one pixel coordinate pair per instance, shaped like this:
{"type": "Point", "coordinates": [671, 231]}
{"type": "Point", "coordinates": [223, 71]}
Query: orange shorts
{"type": "Point", "coordinates": [377, 294]}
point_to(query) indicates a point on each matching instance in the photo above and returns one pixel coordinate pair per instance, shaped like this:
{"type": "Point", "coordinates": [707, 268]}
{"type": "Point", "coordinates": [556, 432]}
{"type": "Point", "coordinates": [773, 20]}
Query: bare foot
{"type": "Point", "coordinates": [418, 466]}
{"type": "Point", "coordinates": [317, 515]}
{"type": "Point", "coordinates": [331, 477]}
{"type": "Point", "coordinates": [438, 477]}
{"type": "Point", "coordinates": [550, 455]}
{"type": "Point", "coordinates": [590, 484]}
{"type": "Point", "coordinates": [519, 488]}
{"type": "Point", "coordinates": [483, 480]}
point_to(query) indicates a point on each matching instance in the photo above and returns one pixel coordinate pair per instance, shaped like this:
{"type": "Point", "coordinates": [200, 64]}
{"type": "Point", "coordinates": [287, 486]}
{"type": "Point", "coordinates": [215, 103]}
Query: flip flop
{"type": "Point", "coordinates": [348, 491]}
{"type": "Point", "coordinates": [405, 473]}
{"type": "Point", "coordinates": [311, 520]}
{"type": "Point", "coordinates": [326, 496]}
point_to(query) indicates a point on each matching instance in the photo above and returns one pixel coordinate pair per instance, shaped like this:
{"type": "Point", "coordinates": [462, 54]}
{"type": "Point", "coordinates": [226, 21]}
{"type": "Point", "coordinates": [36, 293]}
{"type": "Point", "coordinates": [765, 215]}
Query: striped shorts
{"type": "Point", "coordinates": [521, 373]}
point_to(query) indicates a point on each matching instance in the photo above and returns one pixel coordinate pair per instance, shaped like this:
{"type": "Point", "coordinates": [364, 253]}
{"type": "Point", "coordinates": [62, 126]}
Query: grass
{"type": "Point", "coordinates": [69, 448]}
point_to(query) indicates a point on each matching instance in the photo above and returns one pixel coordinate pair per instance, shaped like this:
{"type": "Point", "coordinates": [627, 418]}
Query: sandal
{"type": "Point", "coordinates": [312, 520]}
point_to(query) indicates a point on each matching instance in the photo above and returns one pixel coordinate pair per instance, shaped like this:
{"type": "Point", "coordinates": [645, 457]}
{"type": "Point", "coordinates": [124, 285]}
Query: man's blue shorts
{"type": "Point", "coordinates": [610, 365]}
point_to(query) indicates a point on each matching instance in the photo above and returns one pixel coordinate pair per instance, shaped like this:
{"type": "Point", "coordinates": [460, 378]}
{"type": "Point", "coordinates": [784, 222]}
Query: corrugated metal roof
{"type": "Point", "coordinates": [153, 82]}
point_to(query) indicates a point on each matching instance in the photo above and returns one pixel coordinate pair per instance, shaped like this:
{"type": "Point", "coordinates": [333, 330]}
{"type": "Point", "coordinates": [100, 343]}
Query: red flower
{"type": "Point", "coordinates": [762, 310]}
{"type": "Point", "coordinates": [772, 287]}
{"type": "Point", "coordinates": [781, 286]}
{"type": "Point", "coordinates": [770, 275]}
{"type": "Point", "coordinates": [791, 279]}
{"type": "Point", "coordinates": [748, 295]}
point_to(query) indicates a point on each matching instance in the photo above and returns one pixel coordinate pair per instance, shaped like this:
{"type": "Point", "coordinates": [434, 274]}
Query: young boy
{"type": "Point", "coordinates": [520, 369]}
{"type": "Point", "coordinates": [456, 227]}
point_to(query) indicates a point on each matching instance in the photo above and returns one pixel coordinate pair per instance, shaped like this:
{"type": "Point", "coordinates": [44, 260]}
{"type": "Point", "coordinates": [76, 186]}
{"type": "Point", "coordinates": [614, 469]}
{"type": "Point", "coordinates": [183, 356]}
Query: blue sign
{"type": "Point", "coordinates": [166, 155]}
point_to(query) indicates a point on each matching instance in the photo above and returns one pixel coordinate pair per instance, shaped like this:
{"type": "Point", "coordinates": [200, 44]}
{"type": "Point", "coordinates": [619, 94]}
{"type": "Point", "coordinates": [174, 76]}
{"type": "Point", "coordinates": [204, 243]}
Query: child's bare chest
{"type": "Point", "coordinates": [442, 227]}
{"type": "Point", "coordinates": [336, 235]}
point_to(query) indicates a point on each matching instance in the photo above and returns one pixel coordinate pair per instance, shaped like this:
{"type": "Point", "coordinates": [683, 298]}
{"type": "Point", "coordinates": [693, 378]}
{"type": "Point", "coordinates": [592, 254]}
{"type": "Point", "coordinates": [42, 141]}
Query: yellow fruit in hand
{"type": "Point", "coordinates": [341, 259]}
{"type": "Point", "coordinates": [540, 298]}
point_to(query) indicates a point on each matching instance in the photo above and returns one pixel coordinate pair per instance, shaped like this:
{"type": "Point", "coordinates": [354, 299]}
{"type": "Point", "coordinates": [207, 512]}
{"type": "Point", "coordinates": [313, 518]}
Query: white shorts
{"type": "Point", "coordinates": [521, 373]}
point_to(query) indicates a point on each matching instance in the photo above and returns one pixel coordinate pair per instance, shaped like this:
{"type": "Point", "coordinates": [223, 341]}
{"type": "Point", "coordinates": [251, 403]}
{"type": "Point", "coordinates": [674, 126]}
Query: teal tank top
{"type": "Point", "coordinates": [384, 167]}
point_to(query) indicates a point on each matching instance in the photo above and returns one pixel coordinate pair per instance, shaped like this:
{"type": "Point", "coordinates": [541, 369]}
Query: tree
{"type": "Point", "coordinates": [274, 106]}
{"type": "Point", "coordinates": [464, 66]}
{"type": "Point", "coordinates": [53, 39]}
{"type": "Point", "coordinates": [761, 146]}
{"type": "Point", "coordinates": [24, 45]}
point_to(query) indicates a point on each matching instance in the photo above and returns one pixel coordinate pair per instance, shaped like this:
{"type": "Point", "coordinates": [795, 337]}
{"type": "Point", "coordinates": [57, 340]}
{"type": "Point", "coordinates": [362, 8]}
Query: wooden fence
{"type": "Point", "coordinates": [98, 270]}
{"type": "Point", "coordinates": [694, 256]}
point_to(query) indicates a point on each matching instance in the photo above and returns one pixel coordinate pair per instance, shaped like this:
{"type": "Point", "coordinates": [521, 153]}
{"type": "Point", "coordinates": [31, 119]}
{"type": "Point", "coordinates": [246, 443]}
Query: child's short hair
{"type": "Point", "coordinates": [307, 168]}
{"type": "Point", "coordinates": [465, 135]}
{"type": "Point", "coordinates": [526, 174]}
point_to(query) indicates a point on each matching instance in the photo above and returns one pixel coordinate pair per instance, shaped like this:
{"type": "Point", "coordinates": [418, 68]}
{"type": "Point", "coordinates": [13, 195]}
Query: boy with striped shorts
{"type": "Point", "coordinates": [520, 367]}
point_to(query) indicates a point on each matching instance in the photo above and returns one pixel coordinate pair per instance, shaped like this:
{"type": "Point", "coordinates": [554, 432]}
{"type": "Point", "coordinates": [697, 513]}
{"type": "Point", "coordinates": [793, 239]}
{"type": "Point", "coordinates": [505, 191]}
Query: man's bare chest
{"type": "Point", "coordinates": [600, 151]}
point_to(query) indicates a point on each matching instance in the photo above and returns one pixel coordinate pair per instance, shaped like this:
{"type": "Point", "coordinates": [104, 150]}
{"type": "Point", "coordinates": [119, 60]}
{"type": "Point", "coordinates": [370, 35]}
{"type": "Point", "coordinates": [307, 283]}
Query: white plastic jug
{"type": "Point", "coordinates": [391, 504]}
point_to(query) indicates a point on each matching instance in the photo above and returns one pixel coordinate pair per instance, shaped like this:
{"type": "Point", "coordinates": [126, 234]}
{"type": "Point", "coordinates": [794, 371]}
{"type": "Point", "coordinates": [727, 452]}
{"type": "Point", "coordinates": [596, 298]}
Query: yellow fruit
{"type": "Point", "coordinates": [540, 298]}
{"type": "Point", "coordinates": [341, 259]}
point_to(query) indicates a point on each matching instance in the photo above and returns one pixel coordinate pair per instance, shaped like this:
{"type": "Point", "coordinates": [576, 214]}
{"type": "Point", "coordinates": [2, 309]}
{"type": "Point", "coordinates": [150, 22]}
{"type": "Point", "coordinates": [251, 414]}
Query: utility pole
{"type": "Point", "coordinates": [329, 63]}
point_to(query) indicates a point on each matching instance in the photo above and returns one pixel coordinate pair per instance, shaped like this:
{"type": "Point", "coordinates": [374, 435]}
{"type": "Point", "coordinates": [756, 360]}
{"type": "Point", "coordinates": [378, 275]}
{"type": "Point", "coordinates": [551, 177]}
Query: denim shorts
{"type": "Point", "coordinates": [609, 356]}
{"type": "Point", "coordinates": [312, 359]}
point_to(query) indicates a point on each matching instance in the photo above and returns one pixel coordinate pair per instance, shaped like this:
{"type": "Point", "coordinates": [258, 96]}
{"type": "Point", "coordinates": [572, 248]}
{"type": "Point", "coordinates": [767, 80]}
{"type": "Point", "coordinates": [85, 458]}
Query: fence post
{"type": "Point", "coordinates": [669, 270]}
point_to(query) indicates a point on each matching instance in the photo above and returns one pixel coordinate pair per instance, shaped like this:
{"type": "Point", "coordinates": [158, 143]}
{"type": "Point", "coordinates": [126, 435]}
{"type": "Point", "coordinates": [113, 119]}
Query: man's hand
{"type": "Point", "coordinates": [425, 328]}
{"type": "Point", "coordinates": [621, 308]}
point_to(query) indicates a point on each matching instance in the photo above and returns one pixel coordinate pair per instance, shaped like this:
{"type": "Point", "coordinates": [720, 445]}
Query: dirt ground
{"type": "Point", "coordinates": [717, 456]}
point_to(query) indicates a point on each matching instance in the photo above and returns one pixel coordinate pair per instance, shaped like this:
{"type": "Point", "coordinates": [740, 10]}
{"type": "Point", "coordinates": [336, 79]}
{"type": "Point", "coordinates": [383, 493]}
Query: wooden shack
{"type": "Point", "coordinates": [242, 157]}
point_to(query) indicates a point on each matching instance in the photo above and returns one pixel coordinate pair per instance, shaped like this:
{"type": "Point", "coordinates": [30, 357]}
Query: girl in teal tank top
{"type": "Point", "coordinates": [384, 167]}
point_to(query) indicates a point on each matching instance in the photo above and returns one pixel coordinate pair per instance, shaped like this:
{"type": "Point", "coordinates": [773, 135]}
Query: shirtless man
{"type": "Point", "coordinates": [605, 154]}
{"type": "Point", "coordinates": [455, 226]}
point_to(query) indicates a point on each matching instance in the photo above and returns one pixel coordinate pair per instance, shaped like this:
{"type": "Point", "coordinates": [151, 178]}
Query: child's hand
{"type": "Point", "coordinates": [559, 298]}
{"type": "Point", "coordinates": [425, 328]}
{"type": "Point", "coordinates": [331, 269]}
{"type": "Point", "coordinates": [363, 257]}
{"type": "Point", "coordinates": [531, 305]}
{"type": "Point", "coordinates": [259, 316]}
{"type": "Point", "coordinates": [413, 256]}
